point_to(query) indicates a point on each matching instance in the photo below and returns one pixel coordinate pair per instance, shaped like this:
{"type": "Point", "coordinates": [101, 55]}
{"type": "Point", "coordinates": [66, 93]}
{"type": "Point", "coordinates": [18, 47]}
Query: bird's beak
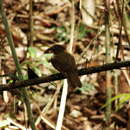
{"type": "Point", "coordinates": [49, 54]}
{"type": "Point", "coordinates": [48, 51]}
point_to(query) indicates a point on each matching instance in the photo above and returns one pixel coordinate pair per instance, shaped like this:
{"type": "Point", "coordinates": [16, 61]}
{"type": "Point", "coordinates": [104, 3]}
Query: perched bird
{"type": "Point", "coordinates": [65, 63]}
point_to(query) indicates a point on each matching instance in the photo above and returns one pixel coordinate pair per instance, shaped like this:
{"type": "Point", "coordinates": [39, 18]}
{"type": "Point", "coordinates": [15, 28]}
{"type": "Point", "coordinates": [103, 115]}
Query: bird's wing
{"type": "Point", "coordinates": [64, 62]}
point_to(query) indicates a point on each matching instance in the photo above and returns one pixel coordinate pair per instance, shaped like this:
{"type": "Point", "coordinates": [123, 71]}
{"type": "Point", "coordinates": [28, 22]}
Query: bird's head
{"type": "Point", "coordinates": [56, 49]}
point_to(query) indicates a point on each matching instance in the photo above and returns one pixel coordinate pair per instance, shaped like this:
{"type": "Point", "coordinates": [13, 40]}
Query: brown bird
{"type": "Point", "coordinates": [65, 63]}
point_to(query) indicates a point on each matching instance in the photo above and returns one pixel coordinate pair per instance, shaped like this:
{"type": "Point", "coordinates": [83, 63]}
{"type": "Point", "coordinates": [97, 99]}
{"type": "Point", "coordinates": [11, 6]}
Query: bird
{"type": "Point", "coordinates": [65, 63]}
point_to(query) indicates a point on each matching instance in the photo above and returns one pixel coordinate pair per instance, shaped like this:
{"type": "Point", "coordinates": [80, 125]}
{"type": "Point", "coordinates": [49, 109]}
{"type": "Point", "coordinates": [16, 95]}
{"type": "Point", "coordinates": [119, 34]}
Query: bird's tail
{"type": "Point", "coordinates": [74, 80]}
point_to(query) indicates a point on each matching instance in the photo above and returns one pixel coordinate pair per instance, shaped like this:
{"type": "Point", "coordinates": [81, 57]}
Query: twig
{"type": "Point", "coordinates": [120, 33]}
{"type": "Point", "coordinates": [30, 38]}
{"type": "Point", "coordinates": [108, 59]}
{"type": "Point", "coordinates": [59, 76]}
{"type": "Point", "coordinates": [72, 27]}
{"type": "Point", "coordinates": [62, 106]}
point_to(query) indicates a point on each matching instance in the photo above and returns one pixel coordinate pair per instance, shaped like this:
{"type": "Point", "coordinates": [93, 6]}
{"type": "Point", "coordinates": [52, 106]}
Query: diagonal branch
{"type": "Point", "coordinates": [59, 76]}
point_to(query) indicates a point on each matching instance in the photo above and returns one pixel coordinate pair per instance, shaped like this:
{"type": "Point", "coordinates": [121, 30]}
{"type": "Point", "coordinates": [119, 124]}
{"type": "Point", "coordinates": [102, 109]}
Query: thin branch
{"type": "Point", "coordinates": [62, 106]}
{"type": "Point", "coordinates": [30, 38]}
{"type": "Point", "coordinates": [108, 59]}
{"type": "Point", "coordinates": [72, 38]}
{"type": "Point", "coordinates": [59, 76]}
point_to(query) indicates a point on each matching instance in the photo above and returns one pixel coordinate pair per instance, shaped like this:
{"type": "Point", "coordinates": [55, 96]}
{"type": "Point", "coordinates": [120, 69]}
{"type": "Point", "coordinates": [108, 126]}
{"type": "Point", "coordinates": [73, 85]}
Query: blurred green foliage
{"type": "Point", "coordinates": [122, 99]}
{"type": "Point", "coordinates": [62, 34]}
{"type": "Point", "coordinates": [87, 89]}
{"type": "Point", "coordinates": [82, 31]}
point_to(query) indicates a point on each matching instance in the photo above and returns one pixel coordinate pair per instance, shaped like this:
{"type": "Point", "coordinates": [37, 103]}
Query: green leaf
{"type": "Point", "coordinates": [87, 89]}
{"type": "Point", "coordinates": [62, 34]}
{"type": "Point", "coordinates": [32, 51]}
{"type": "Point", "coordinates": [123, 98]}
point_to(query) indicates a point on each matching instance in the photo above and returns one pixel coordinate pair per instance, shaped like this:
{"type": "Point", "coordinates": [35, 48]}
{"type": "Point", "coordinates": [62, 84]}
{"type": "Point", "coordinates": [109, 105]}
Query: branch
{"type": "Point", "coordinates": [59, 76]}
